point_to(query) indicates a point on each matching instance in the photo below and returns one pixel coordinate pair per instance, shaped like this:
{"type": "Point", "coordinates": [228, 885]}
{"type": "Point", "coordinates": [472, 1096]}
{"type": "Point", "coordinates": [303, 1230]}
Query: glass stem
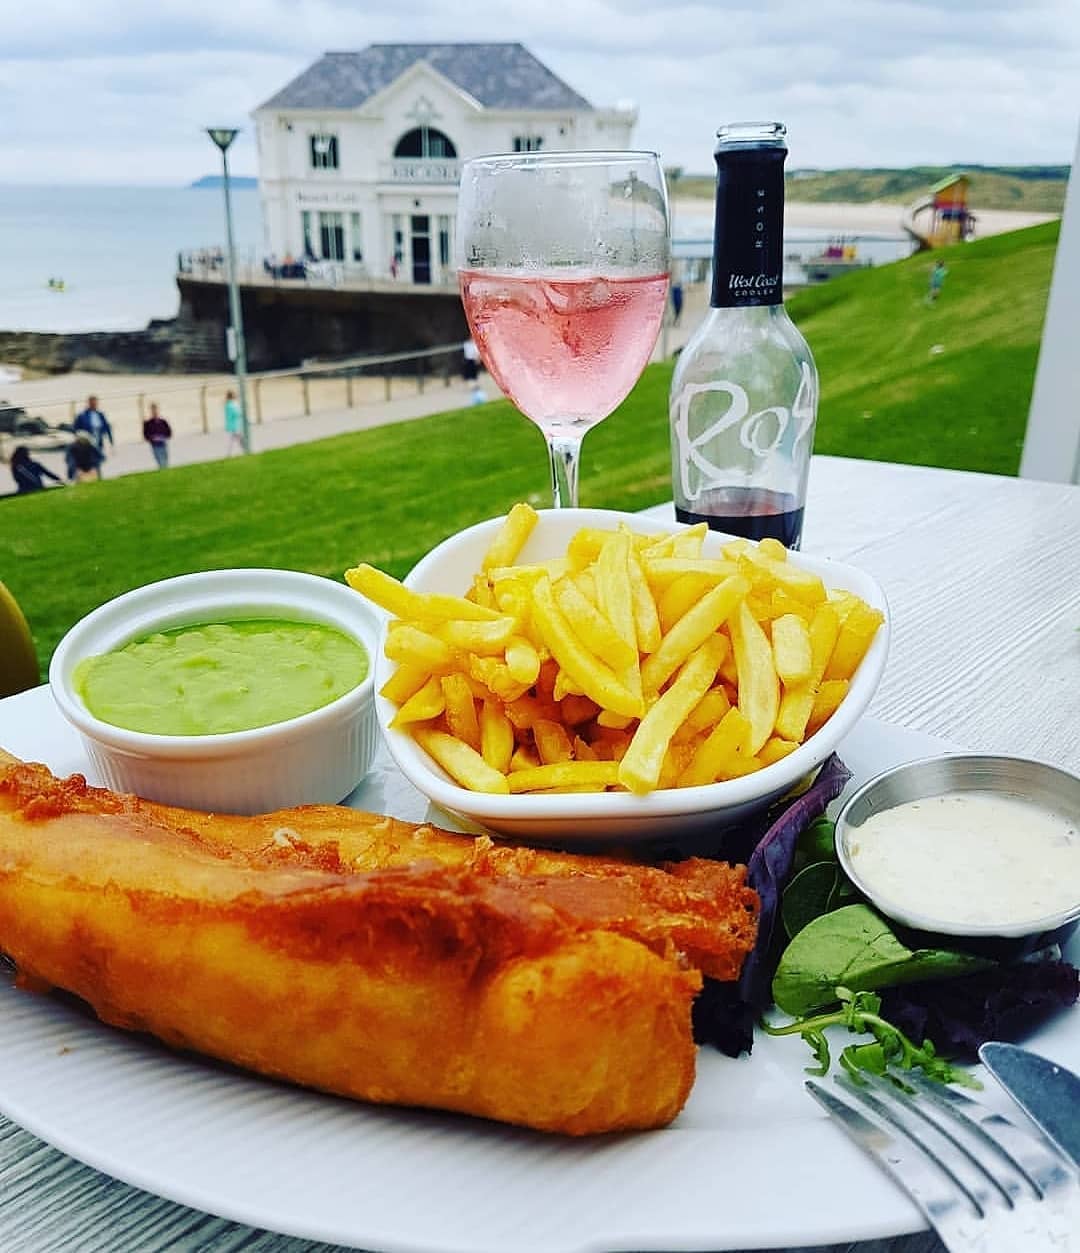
{"type": "Point", "coordinates": [565, 451]}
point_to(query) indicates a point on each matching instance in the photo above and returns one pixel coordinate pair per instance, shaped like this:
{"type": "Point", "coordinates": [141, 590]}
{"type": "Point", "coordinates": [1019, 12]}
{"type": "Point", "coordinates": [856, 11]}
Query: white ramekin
{"type": "Point", "coordinates": [316, 758]}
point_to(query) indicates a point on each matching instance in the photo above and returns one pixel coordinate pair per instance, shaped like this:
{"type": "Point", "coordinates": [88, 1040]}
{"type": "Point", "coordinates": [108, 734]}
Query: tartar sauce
{"type": "Point", "coordinates": [970, 858]}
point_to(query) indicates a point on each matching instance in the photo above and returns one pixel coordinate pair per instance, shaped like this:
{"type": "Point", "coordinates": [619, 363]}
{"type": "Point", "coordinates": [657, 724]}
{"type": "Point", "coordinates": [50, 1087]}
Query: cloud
{"type": "Point", "coordinates": [116, 91]}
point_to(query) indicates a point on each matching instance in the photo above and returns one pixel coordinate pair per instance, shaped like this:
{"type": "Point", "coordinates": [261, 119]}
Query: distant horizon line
{"type": "Point", "coordinates": [190, 184]}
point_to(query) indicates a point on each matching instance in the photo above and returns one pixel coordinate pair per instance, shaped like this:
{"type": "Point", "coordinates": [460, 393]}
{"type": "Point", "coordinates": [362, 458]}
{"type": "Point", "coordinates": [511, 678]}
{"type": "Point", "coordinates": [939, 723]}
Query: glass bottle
{"type": "Point", "coordinates": [745, 389]}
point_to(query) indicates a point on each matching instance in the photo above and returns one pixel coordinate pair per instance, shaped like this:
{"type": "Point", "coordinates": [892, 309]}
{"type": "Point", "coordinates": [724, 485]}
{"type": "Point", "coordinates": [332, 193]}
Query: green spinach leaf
{"type": "Point", "coordinates": [817, 889]}
{"type": "Point", "coordinates": [855, 948]}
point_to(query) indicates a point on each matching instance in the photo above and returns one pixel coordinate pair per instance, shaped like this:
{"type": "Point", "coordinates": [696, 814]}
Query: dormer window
{"type": "Point", "coordinates": [324, 152]}
{"type": "Point", "coordinates": [528, 143]}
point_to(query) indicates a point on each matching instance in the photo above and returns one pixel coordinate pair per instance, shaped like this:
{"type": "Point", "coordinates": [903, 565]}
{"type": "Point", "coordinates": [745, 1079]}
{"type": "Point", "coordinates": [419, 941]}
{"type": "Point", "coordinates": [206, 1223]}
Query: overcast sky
{"type": "Point", "coordinates": [118, 91]}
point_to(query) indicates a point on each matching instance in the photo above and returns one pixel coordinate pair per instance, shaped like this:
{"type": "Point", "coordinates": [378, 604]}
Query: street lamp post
{"type": "Point", "coordinates": [223, 137]}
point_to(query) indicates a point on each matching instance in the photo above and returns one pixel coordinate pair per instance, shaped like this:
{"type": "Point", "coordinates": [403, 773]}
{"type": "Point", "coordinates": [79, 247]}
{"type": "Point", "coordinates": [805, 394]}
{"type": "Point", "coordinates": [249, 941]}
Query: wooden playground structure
{"type": "Point", "coordinates": [942, 216]}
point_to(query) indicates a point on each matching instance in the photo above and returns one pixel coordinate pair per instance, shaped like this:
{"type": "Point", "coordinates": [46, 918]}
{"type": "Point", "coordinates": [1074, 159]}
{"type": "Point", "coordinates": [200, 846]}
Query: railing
{"type": "Point", "coordinates": [197, 406]}
{"type": "Point", "coordinates": [420, 170]}
{"type": "Point", "coordinates": [207, 265]}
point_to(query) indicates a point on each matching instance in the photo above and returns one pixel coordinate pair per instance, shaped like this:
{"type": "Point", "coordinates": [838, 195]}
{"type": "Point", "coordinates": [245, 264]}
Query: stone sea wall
{"type": "Point", "coordinates": [284, 327]}
{"type": "Point", "coordinates": [98, 351]}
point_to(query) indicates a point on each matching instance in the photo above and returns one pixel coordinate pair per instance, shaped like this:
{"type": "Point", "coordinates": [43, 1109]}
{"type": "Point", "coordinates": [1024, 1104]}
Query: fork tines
{"type": "Point", "coordinates": [982, 1181]}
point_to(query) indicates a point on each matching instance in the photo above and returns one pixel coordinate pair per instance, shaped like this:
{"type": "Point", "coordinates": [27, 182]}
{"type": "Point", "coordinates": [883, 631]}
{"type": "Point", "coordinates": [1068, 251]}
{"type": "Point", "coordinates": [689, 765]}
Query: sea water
{"type": "Point", "coordinates": [114, 248]}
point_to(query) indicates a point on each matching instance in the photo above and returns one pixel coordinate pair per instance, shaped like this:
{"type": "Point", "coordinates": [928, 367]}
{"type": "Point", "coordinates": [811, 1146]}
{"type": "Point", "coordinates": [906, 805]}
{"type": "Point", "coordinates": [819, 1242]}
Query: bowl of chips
{"type": "Point", "coordinates": [584, 675]}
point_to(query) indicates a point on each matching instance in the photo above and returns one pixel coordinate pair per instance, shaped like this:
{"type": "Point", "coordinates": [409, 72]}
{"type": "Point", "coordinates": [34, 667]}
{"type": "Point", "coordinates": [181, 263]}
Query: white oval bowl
{"type": "Point", "coordinates": [317, 758]}
{"type": "Point", "coordinates": [618, 816]}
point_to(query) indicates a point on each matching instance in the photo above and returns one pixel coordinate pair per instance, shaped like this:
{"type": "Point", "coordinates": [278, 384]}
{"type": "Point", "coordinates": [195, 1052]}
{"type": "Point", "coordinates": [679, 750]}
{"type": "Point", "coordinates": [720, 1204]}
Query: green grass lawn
{"type": "Point", "coordinates": [388, 495]}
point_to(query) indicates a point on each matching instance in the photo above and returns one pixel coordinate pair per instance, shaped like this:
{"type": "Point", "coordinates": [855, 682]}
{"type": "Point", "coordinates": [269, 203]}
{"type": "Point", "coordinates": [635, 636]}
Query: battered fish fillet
{"type": "Point", "coordinates": [369, 957]}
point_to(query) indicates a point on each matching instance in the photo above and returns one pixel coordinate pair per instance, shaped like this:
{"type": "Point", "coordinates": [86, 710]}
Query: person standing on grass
{"type": "Point", "coordinates": [937, 280]}
{"type": "Point", "coordinates": [95, 424]}
{"type": "Point", "coordinates": [157, 433]}
{"type": "Point", "coordinates": [234, 425]}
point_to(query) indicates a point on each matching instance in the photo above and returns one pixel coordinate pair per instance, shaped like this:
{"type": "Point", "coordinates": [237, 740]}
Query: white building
{"type": "Point", "coordinates": [360, 156]}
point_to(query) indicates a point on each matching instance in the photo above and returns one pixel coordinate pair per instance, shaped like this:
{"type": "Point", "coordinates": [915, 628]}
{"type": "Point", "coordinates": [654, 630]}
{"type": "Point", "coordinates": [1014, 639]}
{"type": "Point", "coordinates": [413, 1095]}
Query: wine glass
{"type": "Point", "coordinates": [563, 261]}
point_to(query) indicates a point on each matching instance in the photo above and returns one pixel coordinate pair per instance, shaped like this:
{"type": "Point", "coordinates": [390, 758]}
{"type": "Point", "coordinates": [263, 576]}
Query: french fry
{"type": "Point", "coordinates": [576, 709]}
{"type": "Point", "coordinates": [687, 543]}
{"type": "Point", "coordinates": [389, 594]}
{"type": "Point", "coordinates": [406, 681]}
{"type": "Point", "coordinates": [415, 647]}
{"type": "Point", "coordinates": [728, 742]}
{"type": "Point", "coordinates": [496, 737]}
{"type": "Point", "coordinates": [596, 775]}
{"type": "Point", "coordinates": [776, 749]}
{"type": "Point", "coordinates": [423, 705]}
{"type": "Point", "coordinates": [596, 679]}
{"type": "Point", "coordinates": [680, 596]}
{"type": "Point", "coordinates": [614, 593]}
{"type": "Point", "coordinates": [769, 547]}
{"type": "Point", "coordinates": [522, 660]}
{"type": "Point", "coordinates": [525, 712]}
{"type": "Point", "coordinates": [511, 537]}
{"type": "Point", "coordinates": [496, 677]}
{"type": "Point", "coordinates": [564, 686]}
{"type": "Point", "coordinates": [708, 712]}
{"type": "Point", "coordinates": [857, 633]}
{"type": "Point", "coordinates": [798, 702]}
{"type": "Point", "coordinates": [661, 572]}
{"type": "Point", "coordinates": [791, 649]}
{"type": "Point", "coordinates": [590, 625]}
{"type": "Point", "coordinates": [462, 763]}
{"type": "Point", "coordinates": [481, 592]}
{"type": "Point", "coordinates": [646, 619]}
{"type": "Point", "coordinates": [691, 631]}
{"type": "Point", "coordinates": [552, 742]}
{"type": "Point", "coordinates": [759, 688]}
{"type": "Point", "coordinates": [802, 584]}
{"type": "Point", "coordinates": [523, 758]}
{"type": "Point", "coordinates": [477, 637]}
{"type": "Point", "coordinates": [640, 769]}
{"type": "Point", "coordinates": [826, 702]}
{"type": "Point", "coordinates": [461, 710]}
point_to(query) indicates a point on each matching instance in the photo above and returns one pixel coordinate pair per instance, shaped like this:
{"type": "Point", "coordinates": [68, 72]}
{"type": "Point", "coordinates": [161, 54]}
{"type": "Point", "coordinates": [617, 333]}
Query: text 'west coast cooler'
{"type": "Point", "coordinates": [745, 389]}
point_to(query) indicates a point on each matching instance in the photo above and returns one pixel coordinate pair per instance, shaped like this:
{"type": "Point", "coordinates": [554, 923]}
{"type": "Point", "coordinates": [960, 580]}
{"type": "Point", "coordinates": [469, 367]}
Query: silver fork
{"type": "Point", "coordinates": [985, 1183]}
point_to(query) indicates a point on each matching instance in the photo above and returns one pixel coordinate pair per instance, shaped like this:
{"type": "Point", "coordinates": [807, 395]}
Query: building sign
{"type": "Point", "coordinates": [327, 198]}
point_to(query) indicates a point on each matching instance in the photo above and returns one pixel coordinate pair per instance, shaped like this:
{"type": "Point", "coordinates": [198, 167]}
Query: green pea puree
{"type": "Point", "coordinates": [215, 677]}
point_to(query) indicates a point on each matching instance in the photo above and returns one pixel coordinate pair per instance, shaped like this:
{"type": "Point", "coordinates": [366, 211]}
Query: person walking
{"type": "Point", "coordinates": [937, 281]}
{"type": "Point", "coordinates": [676, 302]}
{"type": "Point", "coordinates": [157, 433]}
{"type": "Point", "coordinates": [30, 475]}
{"type": "Point", "coordinates": [470, 368]}
{"type": "Point", "coordinates": [234, 425]}
{"type": "Point", "coordinates": [96, 425]}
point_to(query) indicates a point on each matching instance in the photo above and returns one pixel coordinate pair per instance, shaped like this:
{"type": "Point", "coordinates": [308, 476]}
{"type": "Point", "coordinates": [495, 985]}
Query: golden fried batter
{"type": "Point", "coordinates": [369, 957]}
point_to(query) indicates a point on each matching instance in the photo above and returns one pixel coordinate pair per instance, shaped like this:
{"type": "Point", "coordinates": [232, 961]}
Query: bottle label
{"type": "Point", "coordinates": [760, 432]}
{"type": "Point", "coordinates": [748, 243]}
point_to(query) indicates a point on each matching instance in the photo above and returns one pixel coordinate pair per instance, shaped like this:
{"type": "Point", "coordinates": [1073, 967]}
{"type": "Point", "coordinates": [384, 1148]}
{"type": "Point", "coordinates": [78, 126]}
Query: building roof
{"type": "Point", "coordinates": [498, 76]}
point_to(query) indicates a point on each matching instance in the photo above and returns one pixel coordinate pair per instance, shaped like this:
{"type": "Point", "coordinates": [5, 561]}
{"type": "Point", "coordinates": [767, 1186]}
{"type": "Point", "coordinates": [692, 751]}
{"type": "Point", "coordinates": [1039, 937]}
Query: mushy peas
{"type": "Point", "coordinates": [216, 677]}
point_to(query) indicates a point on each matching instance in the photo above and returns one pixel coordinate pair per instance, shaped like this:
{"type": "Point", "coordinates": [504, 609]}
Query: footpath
{"type": "Point", "coordinates": [192, 449]}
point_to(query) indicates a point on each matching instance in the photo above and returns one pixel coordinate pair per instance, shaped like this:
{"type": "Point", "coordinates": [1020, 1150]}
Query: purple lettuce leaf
{"type": "Point", "coordinates": [725, 1013]}
{"type": "Point", "coordinates": [769, 870]}
{"type": "Point", "coordinates": [1000, 1004]}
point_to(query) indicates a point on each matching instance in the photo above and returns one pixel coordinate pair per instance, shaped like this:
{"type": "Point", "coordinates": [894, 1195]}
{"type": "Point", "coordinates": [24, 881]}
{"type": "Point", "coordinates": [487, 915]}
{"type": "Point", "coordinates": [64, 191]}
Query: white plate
{"type": "Point", "coordinates": [750, 1163]}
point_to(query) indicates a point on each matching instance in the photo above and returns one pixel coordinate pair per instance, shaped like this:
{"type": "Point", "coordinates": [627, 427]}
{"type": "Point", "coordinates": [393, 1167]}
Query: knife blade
{"type": "Point", "coordinates": [1048, 1093]}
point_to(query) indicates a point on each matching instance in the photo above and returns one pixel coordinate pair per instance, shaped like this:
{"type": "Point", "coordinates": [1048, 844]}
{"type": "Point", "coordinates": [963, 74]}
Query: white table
{"type": "Point", "coordinates": [983, 578]}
